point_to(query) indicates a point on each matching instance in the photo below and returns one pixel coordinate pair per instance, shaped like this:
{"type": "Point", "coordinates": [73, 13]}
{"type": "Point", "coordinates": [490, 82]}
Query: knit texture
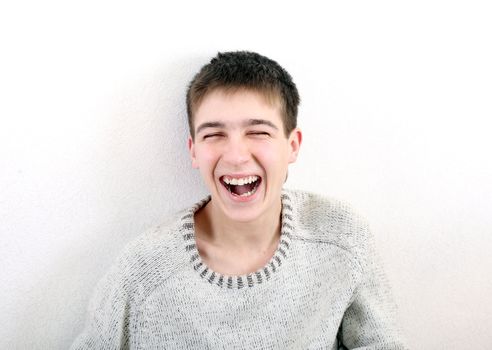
{"type": "Point", "coordinates": [322, 289]}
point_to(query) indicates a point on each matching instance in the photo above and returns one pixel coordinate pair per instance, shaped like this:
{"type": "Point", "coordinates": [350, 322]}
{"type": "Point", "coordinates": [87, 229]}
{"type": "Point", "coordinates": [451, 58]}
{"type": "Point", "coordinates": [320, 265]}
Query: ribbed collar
{"type": "Point", "coordinates": [237, 282]}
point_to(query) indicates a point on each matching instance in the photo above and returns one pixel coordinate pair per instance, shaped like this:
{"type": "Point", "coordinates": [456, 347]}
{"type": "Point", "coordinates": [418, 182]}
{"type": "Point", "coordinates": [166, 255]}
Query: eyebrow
{"type": "Point", "coordinates": [251, 122]}
{"type": "Point", "coordinates": [248, 122]}
{"type": "Point", "coordinates": [209, 125]}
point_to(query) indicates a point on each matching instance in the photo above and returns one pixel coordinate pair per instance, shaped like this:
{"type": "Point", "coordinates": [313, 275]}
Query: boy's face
{"type": "Point", "coordinates": [242, 153]}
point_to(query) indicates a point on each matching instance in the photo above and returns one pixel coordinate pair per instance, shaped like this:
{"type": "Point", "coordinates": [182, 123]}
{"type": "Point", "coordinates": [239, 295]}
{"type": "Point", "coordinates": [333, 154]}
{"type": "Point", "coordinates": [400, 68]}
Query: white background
{"type": "Point", "coordinates": [396, 110]}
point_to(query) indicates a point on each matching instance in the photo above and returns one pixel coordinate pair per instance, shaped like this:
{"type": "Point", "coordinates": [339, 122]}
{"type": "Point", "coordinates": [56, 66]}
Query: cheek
{"type": "Point", "coordinates": [205, 157]}
{"type": "Point", "coordinates": [270, 156]}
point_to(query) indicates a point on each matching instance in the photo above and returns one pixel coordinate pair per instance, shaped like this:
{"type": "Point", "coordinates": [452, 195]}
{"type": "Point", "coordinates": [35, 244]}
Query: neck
{"type": "Point", "coordinates": [255, 235]}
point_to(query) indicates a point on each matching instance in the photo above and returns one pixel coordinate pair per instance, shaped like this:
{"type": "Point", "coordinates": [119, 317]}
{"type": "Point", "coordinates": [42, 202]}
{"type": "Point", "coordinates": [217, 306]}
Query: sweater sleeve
{"type": "Point", "coordinates": [370, 320]}
{"type": "Point", "coordinates": [108, 315]}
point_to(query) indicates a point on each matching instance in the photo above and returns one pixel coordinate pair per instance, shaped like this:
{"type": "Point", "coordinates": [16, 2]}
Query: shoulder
{"type": "Point", "coordinates": [321, 218]}
{"type": "Point", "coordinates": [150, 259]}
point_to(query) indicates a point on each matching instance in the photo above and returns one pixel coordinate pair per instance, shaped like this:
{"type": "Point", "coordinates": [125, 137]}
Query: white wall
{"type": "Point", "coordinates": [396, 103]}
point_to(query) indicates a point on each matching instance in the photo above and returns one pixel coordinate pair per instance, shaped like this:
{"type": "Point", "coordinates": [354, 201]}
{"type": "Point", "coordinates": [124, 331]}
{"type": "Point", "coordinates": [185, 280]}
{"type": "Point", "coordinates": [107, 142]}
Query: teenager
{"type": "Point", "coordinates": [253, 265]}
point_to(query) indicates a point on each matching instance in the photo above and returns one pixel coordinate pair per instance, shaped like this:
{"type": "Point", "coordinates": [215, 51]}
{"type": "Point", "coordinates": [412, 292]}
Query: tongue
{"type": "Point", "coordinates": [241, 189]}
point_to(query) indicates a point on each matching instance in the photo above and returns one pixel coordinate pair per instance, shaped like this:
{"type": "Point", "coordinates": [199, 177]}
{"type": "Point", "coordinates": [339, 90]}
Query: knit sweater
{"type": "Point", "coordinates": [322, 289]}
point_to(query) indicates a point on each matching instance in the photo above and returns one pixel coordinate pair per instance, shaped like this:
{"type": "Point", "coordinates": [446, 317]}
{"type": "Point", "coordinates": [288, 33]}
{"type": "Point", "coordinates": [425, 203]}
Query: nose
{"type": "Point", "coordinates": [236, 151]}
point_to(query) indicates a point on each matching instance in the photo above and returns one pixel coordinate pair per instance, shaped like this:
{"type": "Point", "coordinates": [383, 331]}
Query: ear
{"type": "Point", "coordinates": [295, 140]}
{"type": "Point", "coordinates": [191, 149]}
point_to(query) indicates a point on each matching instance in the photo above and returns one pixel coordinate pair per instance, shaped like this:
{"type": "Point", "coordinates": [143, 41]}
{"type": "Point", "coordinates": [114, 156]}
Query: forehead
{"type": "Point", "coordinates": [233, 107]}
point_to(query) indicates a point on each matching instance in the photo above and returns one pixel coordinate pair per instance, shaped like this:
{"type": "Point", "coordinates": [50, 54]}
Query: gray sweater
{"type": "Point", "coordinates": [322, 289]}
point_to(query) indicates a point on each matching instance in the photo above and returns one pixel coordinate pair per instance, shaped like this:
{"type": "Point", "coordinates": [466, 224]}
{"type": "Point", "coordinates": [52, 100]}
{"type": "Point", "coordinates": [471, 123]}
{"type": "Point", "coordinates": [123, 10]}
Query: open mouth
{"type": "Point", "coordinates": [242, 187]}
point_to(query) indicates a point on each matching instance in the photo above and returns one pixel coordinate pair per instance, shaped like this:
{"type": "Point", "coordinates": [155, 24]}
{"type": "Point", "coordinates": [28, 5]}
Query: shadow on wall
{"type": "Point", "coordinates": [137, 173]}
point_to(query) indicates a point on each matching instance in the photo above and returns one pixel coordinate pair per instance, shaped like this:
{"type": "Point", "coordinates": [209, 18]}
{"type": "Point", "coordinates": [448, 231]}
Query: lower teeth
{"type": "Point", "coordinates": [247, 194]}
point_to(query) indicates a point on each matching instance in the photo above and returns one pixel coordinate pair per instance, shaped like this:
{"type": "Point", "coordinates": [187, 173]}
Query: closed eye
{"type": "Point", "coordinates": [211, 136]}
{"type": "Point", "coordinates": [259, 133]}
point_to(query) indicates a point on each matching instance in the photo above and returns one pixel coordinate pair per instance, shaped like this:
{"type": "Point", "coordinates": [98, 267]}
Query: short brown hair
{"type": "Point", "coordinates": [238, 70]}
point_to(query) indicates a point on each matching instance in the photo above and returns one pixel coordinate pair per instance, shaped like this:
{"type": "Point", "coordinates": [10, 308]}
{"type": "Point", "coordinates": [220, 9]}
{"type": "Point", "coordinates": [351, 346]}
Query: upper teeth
{"type": "Point", "coordinates": [241, 181]}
